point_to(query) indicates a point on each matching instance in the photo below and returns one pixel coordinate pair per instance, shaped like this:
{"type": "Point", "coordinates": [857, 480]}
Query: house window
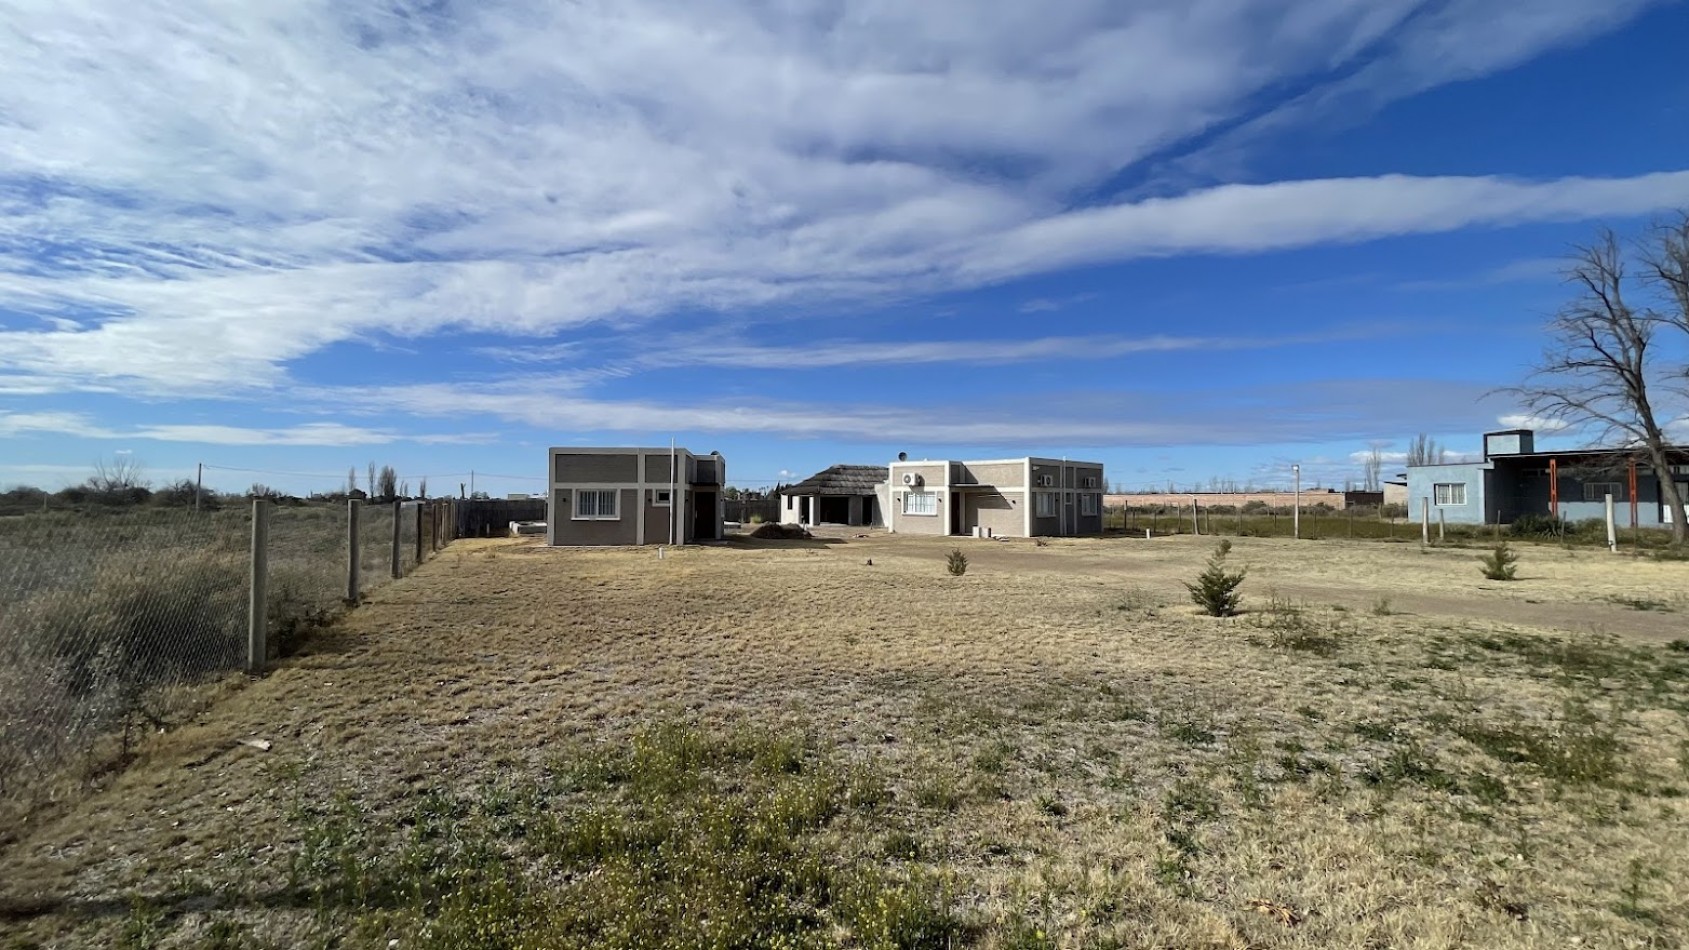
{"type": "Point", "coordinates": [1046, 502]}
{"type": "Point", "coordinates": [1598, 491]}
{"type": "Point", "coordinates": [592, 504]}
{"type": "Point", "coordinates": [1090, 505]}
{"type": "Point", "coordinates": [920, 503]}
{"type": "Point", "coordinates": [1449, 494]}
{"type": "Point", "coordinates": [1089, 481]}
{"type": "Point", "coordinates": [661, 498]}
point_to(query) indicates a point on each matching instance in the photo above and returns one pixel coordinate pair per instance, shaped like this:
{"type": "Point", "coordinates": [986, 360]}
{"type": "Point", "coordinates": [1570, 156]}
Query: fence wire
{"type": "Point", "coordinates": [106, 620]}
{"type": "Point", "coordinates": [113, 620]}
{"type": "Point", "coordinates": [375, 546]}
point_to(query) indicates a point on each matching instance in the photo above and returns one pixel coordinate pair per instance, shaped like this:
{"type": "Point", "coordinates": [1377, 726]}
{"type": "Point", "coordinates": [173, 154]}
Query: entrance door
{"type": "Point", "coordinates": [869, 517]}
{"type": "Point", "coordinates": [704, 516]}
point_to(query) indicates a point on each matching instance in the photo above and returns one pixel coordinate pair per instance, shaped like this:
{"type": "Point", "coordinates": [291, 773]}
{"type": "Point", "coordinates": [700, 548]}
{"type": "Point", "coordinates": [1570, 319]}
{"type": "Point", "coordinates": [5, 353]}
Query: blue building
{"type": "Point", "coordinates": [1513, 480]}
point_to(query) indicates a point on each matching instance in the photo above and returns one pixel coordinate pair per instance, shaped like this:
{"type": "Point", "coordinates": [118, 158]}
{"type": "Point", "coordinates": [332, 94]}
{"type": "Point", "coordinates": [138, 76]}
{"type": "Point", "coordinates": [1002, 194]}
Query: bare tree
{"type": "Point", "coordinates": [351, 480]}
{"type": "Point", "coordinates": [371, 483]}
{"type": "Point", "coordinates": [422, 489]}
{"type": "Point", "coordinates": [1424, 450]}
{"type": "Point", "coordinates": [122, 474]}
{"type": "Point", "coordinates": [387, 484]}
{"type": "Point", "coordinates": [1373, 471]}
{"type": "Point", "coordinates": [1600, 369]}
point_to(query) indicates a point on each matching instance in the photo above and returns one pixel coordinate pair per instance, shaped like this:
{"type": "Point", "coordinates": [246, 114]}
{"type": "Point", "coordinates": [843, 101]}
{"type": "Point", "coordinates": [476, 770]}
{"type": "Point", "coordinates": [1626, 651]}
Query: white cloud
{"type": "Point", "coordinates": [1539, 423]}
{"type": "Point", "coordinates": [1306, 412]}
{"type": "Point", "coordinates": [243, 185]}
{"type": "Point", "coordinates": [79, 425]}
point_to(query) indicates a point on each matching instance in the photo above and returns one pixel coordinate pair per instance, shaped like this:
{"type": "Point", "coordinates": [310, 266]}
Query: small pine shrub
{"type": "Point", "coordinates": [1216, 589]}
{"type": "Point", "coordinates": [1500, 564]}
{"type": "Point", "coordinates": [956, 562]}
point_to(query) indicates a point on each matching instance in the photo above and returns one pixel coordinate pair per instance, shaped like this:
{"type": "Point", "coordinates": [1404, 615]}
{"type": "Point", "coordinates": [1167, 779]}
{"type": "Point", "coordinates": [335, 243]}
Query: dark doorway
{"type": "Point", "coordinates": [869, 515]}
{"type": "Point", "coordinates": [956, 514]}
{"type": "Point", "coordinates": [704, 516]}
{"type": "Point", "coordinates": [834, 511]}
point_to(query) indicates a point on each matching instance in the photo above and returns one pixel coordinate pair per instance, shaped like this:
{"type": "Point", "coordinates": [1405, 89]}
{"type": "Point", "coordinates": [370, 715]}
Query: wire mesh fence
{"type": "Point", "coordinates": [375, 546]}
{"type": "Point", "coordinates": [113, 621]}
{"type": "Point", "coordinates": [104, 618]}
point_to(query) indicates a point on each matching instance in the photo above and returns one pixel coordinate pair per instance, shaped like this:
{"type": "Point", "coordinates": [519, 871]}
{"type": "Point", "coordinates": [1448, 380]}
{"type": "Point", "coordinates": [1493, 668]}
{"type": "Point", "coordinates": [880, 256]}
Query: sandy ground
{"type": "Point", "coordinates": [1079, 661]}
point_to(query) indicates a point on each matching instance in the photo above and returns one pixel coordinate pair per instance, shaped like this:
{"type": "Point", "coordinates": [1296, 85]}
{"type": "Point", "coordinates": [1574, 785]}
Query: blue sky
{"type": "Point", "coordinates": [1194, 239]}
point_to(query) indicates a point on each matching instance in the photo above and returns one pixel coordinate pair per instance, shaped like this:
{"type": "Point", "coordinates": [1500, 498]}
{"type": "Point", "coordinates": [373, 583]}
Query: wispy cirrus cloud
{"type": "Point", "coordinates": [348, 173]}
{"type": "Point", "coordinates": [81, 425]}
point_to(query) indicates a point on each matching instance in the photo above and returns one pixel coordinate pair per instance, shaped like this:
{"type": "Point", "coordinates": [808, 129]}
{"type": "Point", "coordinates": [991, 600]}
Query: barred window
{"type": "Point", "coordinates": [596, 504]}
{"type": "Point", "coordinates": [1598, 491]}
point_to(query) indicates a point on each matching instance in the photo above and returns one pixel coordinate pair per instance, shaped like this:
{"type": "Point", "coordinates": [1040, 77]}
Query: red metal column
{"type": "Point", "coordinates": [1554, 488]}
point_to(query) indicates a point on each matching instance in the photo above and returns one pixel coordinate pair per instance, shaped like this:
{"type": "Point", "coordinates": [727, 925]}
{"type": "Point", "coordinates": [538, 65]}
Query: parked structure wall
{"type": "Point", "coordinates": [642, 483]}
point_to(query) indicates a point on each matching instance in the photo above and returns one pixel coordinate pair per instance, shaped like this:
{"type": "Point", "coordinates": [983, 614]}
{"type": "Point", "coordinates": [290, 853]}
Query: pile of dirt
{"type": "Point", "coordinates": [781, 532]}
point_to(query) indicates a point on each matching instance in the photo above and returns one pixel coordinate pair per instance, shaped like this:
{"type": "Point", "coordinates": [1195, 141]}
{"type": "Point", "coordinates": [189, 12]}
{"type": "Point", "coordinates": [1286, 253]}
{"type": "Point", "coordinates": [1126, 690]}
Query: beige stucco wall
{"type": "Point", "coordinates": [999, 512]}
{"type": "Point", "coordinates": [1001, 474]}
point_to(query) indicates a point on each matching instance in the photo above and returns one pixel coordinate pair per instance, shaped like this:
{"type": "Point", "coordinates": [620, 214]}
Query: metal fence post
{"type": "Point", "coordinates": [352, 550]}
{"type": "Point", "coordinates": [398, 540]}
{"type": "Point", "coordinates": [257, 619]}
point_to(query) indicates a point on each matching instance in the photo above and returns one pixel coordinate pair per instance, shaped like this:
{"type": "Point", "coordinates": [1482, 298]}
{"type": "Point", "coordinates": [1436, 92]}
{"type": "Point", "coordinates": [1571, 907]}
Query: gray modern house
{"type": "Point", "coordinates": [634, 496]}
{"type": "Point", "coordinates": [1515, 479]}
{"type": "Point", "coordinates": [841, 494]}
{"type": "Point", "coordinates": [1024, 497]}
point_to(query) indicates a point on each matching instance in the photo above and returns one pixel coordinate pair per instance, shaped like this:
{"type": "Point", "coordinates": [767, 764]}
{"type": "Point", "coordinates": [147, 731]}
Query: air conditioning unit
{"type": "Point", "coordinates": [1045, 481]}
{"type": "Point", "coordinates": [1090, 481]}
{"type": "Point", "coordinates": [913, 480]}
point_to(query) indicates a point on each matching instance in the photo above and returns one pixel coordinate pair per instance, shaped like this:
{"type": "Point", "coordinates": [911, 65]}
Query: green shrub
{"type": "Point", "coordinates": [1216, 589]}
{"type": "Point", "coordinates": [1500, 563]}
{"type": "Point", "coordinates": [1539, 526]}
{"type": "Point", "coordinates": [956, 562]}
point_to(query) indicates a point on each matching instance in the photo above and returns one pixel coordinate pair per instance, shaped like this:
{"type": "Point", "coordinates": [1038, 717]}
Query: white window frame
{"type": "Point", "coordinates": [598, 493]}
{"type": "Point", "coordinates": [1090, 506]}
{"type": "Point", "coordinates": [663, 498]}
{"type": "Point", "coordinates": [1438, 494]}
{"type": "Point", "coordinates": [929, 501]}
{"type": "Point", "coordinates": [1046, 504]}
{"type": "Point", "coordinates": [1598, 491]}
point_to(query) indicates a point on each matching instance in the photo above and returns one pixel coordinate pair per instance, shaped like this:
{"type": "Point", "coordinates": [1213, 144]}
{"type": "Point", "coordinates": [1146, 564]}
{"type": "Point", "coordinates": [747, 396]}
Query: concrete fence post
{"type": "Point", "coordinates": [398, 540]}
{"type": "Point", "coordinates": [1442, 523]}
{"type": "Point", "coordinates": [1424, 521]}
{"type": "Point", "coordinates": [258, 589]}
{"type": "Point", "coordinates": [352, 584]}
{"type": "Point", "coordinates": [1612, 535]}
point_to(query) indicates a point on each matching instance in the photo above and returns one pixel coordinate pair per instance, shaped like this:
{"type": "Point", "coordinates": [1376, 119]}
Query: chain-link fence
{"type": "Point", "coordinates": [112, 620]}
{"type": "Point", "coordinates": [103, 616]}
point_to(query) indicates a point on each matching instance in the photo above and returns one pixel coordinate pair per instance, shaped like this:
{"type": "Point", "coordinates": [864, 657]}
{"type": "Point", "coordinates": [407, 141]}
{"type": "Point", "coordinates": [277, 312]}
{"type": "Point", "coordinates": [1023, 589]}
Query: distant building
{"type": "Point", "coordinates": [1395, 493]}
{"type": "Point", "coordinates": [633, 496]}
{"type": "Point", "coordinates": [1024, 497]}
{"type": "Point", "coordinates": [841, 494]}
{"type": "Point", "coordinates": [1310, 497]}
{"type": "Point", "coordinates": [1513, 479]}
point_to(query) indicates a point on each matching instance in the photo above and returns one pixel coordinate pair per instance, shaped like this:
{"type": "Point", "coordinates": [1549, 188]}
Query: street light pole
{"type": "Point", "coordinates": [1296, 514]}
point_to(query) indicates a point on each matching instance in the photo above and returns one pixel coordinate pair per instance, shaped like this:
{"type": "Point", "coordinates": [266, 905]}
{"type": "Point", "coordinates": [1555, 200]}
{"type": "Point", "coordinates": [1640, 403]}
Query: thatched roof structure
{"type": "Point", "coordinates": [842, 480]}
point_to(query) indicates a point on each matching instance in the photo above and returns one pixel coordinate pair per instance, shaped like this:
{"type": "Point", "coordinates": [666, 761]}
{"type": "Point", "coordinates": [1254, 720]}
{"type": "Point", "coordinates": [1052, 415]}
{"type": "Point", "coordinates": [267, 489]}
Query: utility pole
{"type": "Point", "coordinates": [1296, 513]}
{"type": "Point", "coordinates": [199, 483]}
{"type": "Point", "coordinates": [472, 483]}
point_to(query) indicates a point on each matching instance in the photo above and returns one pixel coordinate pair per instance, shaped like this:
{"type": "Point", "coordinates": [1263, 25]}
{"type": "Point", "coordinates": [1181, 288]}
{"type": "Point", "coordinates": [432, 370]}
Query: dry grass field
{"type": "Point", "coordinates": [783, 744]}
